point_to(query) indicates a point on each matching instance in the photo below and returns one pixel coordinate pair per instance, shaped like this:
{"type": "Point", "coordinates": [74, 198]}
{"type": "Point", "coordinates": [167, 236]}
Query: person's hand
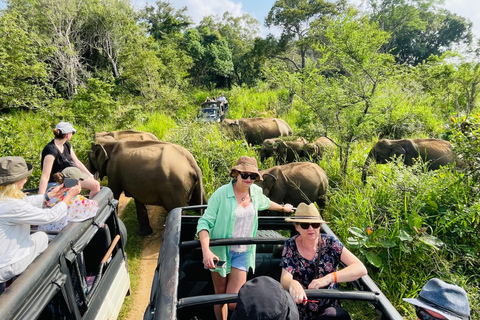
{"type": "Point", "coordinates": [57, 191]}
{"type": "Point", "coordinates": [73, 191]}
{"type": "Point", "coordinates": [321, 282]}
{"type": "Point", "coordinates": [297, 292]}
{"type": "Point", "coordinates": [288, 207]}
{"type": "Point", "coordinates": [208, 257]}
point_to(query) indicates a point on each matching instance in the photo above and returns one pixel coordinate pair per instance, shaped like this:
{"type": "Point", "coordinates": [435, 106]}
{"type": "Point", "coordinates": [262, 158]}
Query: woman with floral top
{"type": "Point", "coordinates": [310, 260]}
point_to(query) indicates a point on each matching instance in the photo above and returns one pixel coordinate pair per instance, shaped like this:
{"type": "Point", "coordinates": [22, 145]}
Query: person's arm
{"type": "Point", "coordinates": [208, 255]}
{"type": "Point", "coordinates": [354, 269]}
{"type": "Point", "coordinates": [79, 163]}
{"type": "Point", "coordinates": [23, 212]}
{"type": "Point", "coordinates": [293, 286]}
{"type": "Point", "coordinates": [46, 170]}
{"type": "Point", "coordinates": [278, 207]}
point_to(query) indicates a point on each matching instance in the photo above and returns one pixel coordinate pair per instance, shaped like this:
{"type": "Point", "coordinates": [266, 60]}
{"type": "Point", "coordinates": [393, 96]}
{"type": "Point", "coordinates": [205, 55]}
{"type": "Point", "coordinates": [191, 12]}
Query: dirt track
{"type": "Point", "coordinates": [148, 263]}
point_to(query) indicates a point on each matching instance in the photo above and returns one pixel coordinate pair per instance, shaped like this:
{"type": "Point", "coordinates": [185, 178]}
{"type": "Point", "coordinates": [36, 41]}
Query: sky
{"type": "Point", "coordinates": [259, 9]}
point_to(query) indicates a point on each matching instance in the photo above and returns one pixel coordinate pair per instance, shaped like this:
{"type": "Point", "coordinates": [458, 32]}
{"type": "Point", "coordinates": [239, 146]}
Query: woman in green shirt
{"type": "Point", "coordinates": [232, 212]}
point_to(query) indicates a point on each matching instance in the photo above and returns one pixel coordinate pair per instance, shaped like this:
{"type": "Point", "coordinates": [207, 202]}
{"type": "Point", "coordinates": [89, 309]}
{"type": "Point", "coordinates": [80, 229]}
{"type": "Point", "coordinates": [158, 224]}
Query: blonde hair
{"type": "Point", "coordinates": [11, 191]}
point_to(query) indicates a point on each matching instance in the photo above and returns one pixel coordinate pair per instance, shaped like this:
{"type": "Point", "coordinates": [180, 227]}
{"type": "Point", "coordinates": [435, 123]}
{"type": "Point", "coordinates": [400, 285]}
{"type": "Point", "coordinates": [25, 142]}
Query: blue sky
{"type": "Point", "coordinates": [259, 9]}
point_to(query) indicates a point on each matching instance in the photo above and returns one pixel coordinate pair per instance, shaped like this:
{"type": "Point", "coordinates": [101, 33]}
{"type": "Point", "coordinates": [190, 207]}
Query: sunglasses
{"type": "Point", "coordinates": [305, 225]}
{"type": "Point", "coordinates": [245, 176]}
{"type": "Point", "coordinates": [422, 314]}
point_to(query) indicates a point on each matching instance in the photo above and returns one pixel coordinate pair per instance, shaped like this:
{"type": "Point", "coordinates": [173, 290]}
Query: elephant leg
{"type": "Point", "coordinates": [142, 217]}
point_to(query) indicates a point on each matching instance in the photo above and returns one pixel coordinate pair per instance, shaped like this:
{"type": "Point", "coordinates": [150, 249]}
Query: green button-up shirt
{"type": "Point", "coordinates": [219, 220]}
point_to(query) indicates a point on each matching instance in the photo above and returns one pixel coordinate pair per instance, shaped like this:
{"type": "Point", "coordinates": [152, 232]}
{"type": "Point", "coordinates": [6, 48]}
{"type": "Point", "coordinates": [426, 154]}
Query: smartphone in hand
{"type": "Point", "coordinates": [69, 183]}
{"type": "Point", "coordinates": [220, 264]}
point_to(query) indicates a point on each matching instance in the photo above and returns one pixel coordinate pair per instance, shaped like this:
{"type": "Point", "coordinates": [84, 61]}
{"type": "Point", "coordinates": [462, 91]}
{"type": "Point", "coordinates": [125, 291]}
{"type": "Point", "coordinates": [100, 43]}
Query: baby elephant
{"type": "Point", "coordinates": [295, 183]}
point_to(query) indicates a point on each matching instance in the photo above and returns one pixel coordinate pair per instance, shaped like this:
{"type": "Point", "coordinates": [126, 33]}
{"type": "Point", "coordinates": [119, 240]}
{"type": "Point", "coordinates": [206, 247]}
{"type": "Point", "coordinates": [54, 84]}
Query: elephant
{"type": "Point", "coordinates": [295, 183]}
{"type": "Point", "coordinates": [124, 135]}
{"type": "Point", "coordinates": [436, 152]}
{"type": "Point", "coordinates": [316, 149]}
{"type": "Point", "coordinates": [152, 172]}
{"type": "Point", "coordinates": [283, 151]}
{"type": "Point", "coordinates": [256, 130]}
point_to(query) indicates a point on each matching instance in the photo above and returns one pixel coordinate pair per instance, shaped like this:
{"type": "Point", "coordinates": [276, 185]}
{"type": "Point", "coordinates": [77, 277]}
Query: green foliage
{"type": "Point", "coordinates": [23, 71]}
{"type": "Point", "coordinates": [419, 28]}
{"type": "Point", "coordinates": [164, 21]}
{"type": "Point", "coordinates": [212, 58]}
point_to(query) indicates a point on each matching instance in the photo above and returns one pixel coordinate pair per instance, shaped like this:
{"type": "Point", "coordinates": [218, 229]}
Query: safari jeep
{"type": "Point", "coordinates": [82, 274]}
{"type": "Point", "coordinates": [213, 111]}
{"type": "Point", "coordinates": [182, 288]}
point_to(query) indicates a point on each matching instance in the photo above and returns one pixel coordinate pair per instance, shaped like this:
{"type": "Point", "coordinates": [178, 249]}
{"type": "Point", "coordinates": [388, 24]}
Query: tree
{"type": "Point", "coordinates": [23, 72]}
{"type": "Point", "coordinates": [110, 25]}
{"type": "Point", "coordinates": [212, 58]}
{"type": "Point", "coordinates": [419, 28]}
{"type": "Point", "coordinates": [164, 21]}
{"type": "Point", "coordinates": [240, 33]}
{"type": "Point", "coordinates": [58, 23]}
{"type": "Point", "coordinates": [455, 83]}
{"type": "Point", "coordinates": [295, 18]}
{"type": "Point", "coordinates": [344, 85]}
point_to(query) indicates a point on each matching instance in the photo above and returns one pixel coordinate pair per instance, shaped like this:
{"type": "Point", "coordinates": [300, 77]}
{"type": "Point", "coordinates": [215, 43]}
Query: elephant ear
{"type": "Point", "coordinates": [99, 158]}
{"type": "Point", "coordinates": [396, 150]}
{"type": "Point", "coordinates": [268, 183]}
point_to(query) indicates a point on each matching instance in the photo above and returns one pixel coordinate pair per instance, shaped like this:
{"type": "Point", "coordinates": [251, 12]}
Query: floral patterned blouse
{"type": "Point", "coordinates": [303, 270]}
{"type": "Point", "coordinates": [79, 209]}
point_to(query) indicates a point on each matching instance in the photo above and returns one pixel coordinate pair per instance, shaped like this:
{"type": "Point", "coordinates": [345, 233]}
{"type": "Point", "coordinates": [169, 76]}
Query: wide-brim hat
{"type": "Point", "coordinates": [306, 213]}
{"type": "Point", "coordinates": [264, 298]}
{"type": "Point", "coordinates": [74, 173]}
{"type": "Point", "coordinates": [13, 169]}
{"type": "Point", "coordinates": [246, 164]}
{"type": "Point", "coordinates": [449, 300]}
{"type": "Point", "coordinates": [65, 127]}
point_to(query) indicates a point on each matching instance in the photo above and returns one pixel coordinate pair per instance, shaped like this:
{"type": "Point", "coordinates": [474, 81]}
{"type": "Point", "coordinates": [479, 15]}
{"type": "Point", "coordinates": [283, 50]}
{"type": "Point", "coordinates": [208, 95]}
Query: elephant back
{"type": "Point", "coordinates": [131, 135]}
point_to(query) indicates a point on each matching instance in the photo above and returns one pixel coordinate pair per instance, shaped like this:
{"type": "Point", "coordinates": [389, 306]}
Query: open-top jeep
{"type": "Point", "coordinates": [182, 288]}
{"type": "Point", "coordinates": [82, 274]}
{"type": "Point", "coordinates": [213, 111]}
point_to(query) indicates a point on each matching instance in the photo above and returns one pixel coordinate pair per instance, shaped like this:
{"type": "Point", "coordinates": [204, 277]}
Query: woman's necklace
{"type": "Point", "coordinates": [243, 197]}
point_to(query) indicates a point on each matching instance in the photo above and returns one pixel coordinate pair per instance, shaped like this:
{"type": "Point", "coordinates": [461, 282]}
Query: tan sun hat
{"type": "Point", "coordinates": [306, 213]}
{"type": "Point", "coordinates": [13, 169]}
{"type": "Point", "coordinates": [246, 164]}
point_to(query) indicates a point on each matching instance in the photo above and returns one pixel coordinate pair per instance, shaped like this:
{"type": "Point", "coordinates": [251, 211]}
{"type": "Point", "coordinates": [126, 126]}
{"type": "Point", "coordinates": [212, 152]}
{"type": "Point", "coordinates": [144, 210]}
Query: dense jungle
{"type": "Point", "coordinates": [400, 69]}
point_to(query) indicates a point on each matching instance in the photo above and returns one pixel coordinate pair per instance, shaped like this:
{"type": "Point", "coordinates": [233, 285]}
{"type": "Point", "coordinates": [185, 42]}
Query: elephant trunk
{"type": "Point", "coordinates": [371, 155]}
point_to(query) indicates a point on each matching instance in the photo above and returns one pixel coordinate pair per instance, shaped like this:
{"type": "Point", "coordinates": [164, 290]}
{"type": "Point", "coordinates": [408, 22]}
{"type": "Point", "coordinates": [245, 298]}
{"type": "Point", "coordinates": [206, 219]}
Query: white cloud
{"type": "Point", "coordinates": [197, 9]}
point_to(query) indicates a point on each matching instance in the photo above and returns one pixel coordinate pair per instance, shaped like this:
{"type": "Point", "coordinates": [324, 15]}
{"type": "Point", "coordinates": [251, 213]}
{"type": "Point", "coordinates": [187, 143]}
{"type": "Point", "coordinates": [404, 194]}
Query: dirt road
{"type": "Point", "coordinates": [151, 247]}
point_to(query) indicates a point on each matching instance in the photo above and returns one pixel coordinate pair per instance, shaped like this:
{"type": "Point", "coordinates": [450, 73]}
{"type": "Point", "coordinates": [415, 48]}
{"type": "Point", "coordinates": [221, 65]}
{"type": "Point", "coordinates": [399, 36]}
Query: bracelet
{"type": "Point", "coordinates": [47, 197]}
{"type": "Point", "coordinates": [335, 276]}
{"type": "Point", "coordinates": [283, 208]}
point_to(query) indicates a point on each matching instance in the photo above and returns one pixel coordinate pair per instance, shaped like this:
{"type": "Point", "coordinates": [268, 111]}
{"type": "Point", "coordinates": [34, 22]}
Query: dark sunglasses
{"type": "Point", "coordinates": [424, 315]}
{"type": "Point", "coordinates": [305, 225]}
{"type": "Point", "coordinates": [245, 176]}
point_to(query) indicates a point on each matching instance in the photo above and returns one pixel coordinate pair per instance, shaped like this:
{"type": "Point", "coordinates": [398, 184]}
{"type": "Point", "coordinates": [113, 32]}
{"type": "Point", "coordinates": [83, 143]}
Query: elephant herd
{"type": "Point", "coordinates": [160, 173]}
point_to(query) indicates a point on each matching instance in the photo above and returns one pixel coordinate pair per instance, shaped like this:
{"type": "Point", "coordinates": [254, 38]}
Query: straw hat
{"type": "Point", "coordinates": [306, 213]}
{"type": "Point", "coordinates": [246, 164]}
{"type": "Point", "coordinates": [13, 169]}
